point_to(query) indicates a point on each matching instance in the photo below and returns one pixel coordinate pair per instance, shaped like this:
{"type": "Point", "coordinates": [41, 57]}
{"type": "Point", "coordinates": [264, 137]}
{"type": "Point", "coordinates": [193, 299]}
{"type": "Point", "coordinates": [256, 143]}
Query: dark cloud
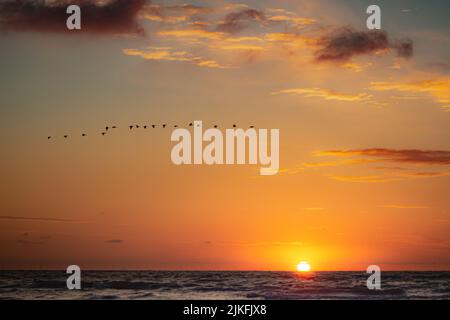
{"type": "Point", "coordinates": [344, 43]}
{"type": "Point", "coordinates": [432, 157]}
{"type": "Point", "coordinates": [35, 219]}
{"type": "Point", "coordinates": [236, 21]}
{"type": "Point", "coordinates": [113, 17]}
{"type": "Point", "coordinates": [114, 241]}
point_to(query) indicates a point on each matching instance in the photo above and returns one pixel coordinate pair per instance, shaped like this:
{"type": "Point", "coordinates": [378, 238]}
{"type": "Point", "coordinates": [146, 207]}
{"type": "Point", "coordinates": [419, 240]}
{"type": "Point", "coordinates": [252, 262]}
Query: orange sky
{"type": "Point", "coordinates": [364, 139]}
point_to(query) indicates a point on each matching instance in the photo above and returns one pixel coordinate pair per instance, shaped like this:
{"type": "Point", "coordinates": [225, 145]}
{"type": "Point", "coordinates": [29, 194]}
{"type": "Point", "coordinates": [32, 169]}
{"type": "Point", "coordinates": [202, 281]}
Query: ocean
{"type": "Point", "coordinates": [222, 285]}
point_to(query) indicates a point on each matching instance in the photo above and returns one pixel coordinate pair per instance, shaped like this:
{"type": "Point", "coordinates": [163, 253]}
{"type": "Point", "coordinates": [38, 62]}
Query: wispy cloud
{"type": "Point", "coordinates": [192, 34]}
{"type": "Point", "coordinates": [344, 43]}
{"type": "Point", "coordinates": [169, 54]}
{"type": "Point", "coordinates": [326, 94]}
{"type": "Point", "coordinates": [114, 241]}
{"type": "Point", "coordinates": [112, 17]}
{"type": "Point", "coordinates": [429, 161]}
{"type": "Point", "coordinates": [398, 206]}
{"type": "Point", "coordinates": [314, 209]}
{"type": "Point", "coordinates": [368, 178]}
{"type": "Point", "coordinates": [43, 219]}
{"type": "Point", "coordinates": [439, 89]}
{"type": "Point", "coordinates": [238, 20]}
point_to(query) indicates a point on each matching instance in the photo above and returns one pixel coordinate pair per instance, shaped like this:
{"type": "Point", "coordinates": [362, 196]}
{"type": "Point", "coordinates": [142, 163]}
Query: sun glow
{"type": "Point", "coordinates": [303, 267]}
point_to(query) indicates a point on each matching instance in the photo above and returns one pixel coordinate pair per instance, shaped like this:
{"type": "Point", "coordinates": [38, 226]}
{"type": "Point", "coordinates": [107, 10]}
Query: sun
{"type": "Point", "coordinates": [303, 267]}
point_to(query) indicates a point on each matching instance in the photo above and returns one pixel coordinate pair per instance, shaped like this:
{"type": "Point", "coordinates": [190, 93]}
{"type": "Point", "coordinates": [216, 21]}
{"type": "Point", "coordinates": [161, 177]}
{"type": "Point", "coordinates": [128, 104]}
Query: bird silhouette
{"type": "Point", "coordinates": [175, 126]}
{"type": "Point", "coordinates": [103, 133]}
{"type": "Point", "coordinates": [234, 126]}
{"type": "Point", "coordinates": [252, 127]}
{"type": "Point", "coordinates": [65, 136]}
{"type": "Point", "coordinates": [136, 126]}
{"type": "Point", "coordinates": [153, 126]}
{"type": "Point", "coordinates": [190, 124]}
{"type": "Point", "coordinates": [131, 127]}
{"type": "Point", "coordinates": [145, 127]}
{"type": "Point", "coordinates": [114, 127]}
{"type": "Point", "coordinates": [215, 126]}
{"type": "Point", "coordinates": [164, 125]}
{"type": "Point", "coordinates": [106, 128]}
{"type": "Point", "coordinates": [83, 134]}
{"type": "Point", "coordinates": [49, 137]}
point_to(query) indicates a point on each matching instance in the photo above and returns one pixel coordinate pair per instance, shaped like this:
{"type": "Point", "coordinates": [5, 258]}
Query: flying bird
{"type": "Point", "coordinates": [175, 126]}
{"type": "Point", "coordinates": [83, 134]}
{"type": "Point", "coordinates": [153, 126]}
{"type": "Point", "coordinates": [252, 126]}
{"type": "Point", "coordinates": [190, 124]}
{"type": "Point", "coordinates": [103, 133]}
{"type": "Point", "coordinates": [49, 137]}
{"type": "Point", "coordinates": [131, 127]}
{"type": "Point", "coordinates": [215, 126]}
{"type": "Point", "coordinates": [164, 125]}
{"type": "Point", "coordinates": [114, 127]}
{"type": "Point", "coordinates": [136, 126]}
{"type": "Point", "coordinates": [145, 127]}
{"type": "Point", "coordinates": [65, 136]}
{"type": "Point", "coordinates": [106, 128]}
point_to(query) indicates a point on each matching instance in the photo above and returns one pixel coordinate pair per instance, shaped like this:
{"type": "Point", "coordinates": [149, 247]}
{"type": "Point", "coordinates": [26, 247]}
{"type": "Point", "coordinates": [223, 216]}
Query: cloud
{"type": "Point", "coordinates": [26, 242]}
{"type": "Point", "coordinates": [168, 54]}
{"type": "Point", "coordinates": [426, 174]}
{"type": "Point", "coordinates": [430, 157]}
{"type": "Point", "coordinates": [174, 13]}
{"type": "Point", "coordinates": [440, 67]}
{"type": "Point", "coordinates": [112, 17]}
{"type": "Point", "coordinates": [291, 39]}
{"type": "Point", "coordinates": [344, 43]}
{"type": "Point", "coordinates": [236, 21]}
{"type": "Point", "coordinates": [299, 21]}
{"type": "Point", "coordinates": [369, 178]}
{"type": "Point", "coordinates": [314, 209]}
{"type": "Point", "coordinates": [397, 206]}
{"type": "Point", "coordinates": [35, 219]}
{"type": "Point", "coordinates": [356, 67]}
{"type": "Point", "coordinates": [114, 241]}
{"type": "Point", "coordinates": [438, 88]}
{"type": "Point", "coordinates": [238, 47]}
{"type": "Point", "coordinates": [325, 94]}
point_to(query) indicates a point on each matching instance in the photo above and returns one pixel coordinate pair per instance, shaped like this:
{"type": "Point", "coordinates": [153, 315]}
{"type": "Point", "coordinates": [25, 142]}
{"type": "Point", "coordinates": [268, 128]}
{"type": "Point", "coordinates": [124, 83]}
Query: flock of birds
{"type": "Point", "coordinates": [136, 126]}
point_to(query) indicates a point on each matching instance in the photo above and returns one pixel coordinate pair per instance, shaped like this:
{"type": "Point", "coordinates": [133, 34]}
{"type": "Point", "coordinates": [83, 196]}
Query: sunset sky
{"type": "Point", "coordinates": [364, 121]}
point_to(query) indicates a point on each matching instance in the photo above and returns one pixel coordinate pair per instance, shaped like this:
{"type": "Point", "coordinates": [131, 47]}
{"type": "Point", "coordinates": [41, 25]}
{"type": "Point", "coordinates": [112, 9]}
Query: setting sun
{"type": "Point", "coordinates": [303, 267]}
